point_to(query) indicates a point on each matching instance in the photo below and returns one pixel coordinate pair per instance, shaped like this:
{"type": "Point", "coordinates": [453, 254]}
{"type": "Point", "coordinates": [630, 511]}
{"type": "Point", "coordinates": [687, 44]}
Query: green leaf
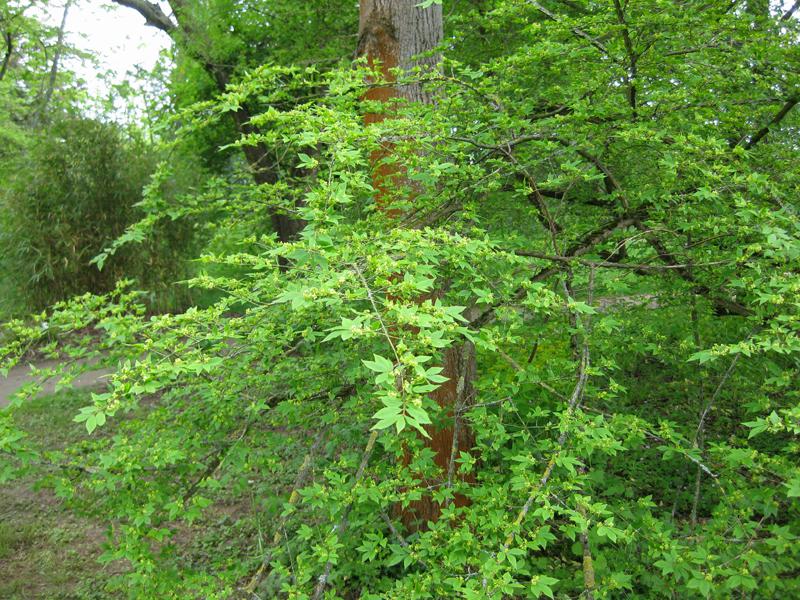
{"type": "Point", "coordinates": [541, 585]}
{"type": "Point", "coordinates": [793, 488]}
{"type": "Point", "coordinates": [379, 364]}
{"type": "Point", "coordinates": [419, 414]}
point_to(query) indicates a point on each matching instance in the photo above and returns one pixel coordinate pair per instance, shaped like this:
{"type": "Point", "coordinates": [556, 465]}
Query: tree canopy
{"type": "Point", "coordinates": [538, 271]}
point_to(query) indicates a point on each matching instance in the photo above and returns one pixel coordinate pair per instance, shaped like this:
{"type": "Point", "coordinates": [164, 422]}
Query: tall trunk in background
{"type": "Point", "coordinates": [8, 40]}
{"type": "Point", "coordinates": [396, 32]}
{"type": "Point", "coordinates": [51, 82]}
{"type": "Point", "coordinates": [194, 42]}
{"type": "Point", "coordinates": [392, 34]}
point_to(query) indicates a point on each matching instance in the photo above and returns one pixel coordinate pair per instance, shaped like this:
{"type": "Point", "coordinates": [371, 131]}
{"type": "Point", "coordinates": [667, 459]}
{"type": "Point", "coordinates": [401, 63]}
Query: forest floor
{"type": "Point", "coordinates": [46, 551]}
{"type": "Point", "coordinates": [21, 375]}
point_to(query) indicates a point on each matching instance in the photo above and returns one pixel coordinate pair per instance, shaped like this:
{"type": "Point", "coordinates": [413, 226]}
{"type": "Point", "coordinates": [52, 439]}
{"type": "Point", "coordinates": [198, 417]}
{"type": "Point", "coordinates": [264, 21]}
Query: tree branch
{"type": "Point", "coordinates": [572, 406]}
{"type": "Point", "coordinates": [9, 40]}
{"type": "Point", "coordinates": [51, 84]}
{"type": "Point", "coordinates": [575, 30]}
{"type": "Point", "coordinates": [583, 245]}
{"type": "Point", "coordinates": [294, 498]}
{"type": "Point", "coordinates": [699, 435]}
{"type": "Point", "coordinates": [341, 526]}
{"type": "Point", "coordinates": [152, 13]}
{"type": "Point", "coordinates": [761, 133]}
{"type": "Point", "coordinates": [630, 75]}
{"type": "Point", "coordinates": [788, 14]}
{"type": "Point", "coordinates": [722, 305]}
{"type": "Point", "coordinates": [614, 265]}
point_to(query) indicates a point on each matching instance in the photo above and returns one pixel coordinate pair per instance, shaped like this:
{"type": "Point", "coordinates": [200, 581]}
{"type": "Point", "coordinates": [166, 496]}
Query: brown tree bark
{"type": "Point", "coordinates": [396, 33]}
{"type": "Point", "coordinates": [392, 36]}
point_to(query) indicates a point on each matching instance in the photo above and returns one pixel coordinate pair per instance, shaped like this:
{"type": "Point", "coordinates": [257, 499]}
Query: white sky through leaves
{"type": "Point", "coordinates": [116, 36]}
{"type": "Point", "coordinates": [120, 42]}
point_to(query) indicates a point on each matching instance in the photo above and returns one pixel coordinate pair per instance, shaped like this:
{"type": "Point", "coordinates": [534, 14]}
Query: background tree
{"type": "Point", "coordinates": [225, 40]}
{"type": "Point", "coordinates": [28, 72]}
{"type": "Point", "coordinates": [403, 38]}
{"type": "Point", "coordinates": [599, 199]}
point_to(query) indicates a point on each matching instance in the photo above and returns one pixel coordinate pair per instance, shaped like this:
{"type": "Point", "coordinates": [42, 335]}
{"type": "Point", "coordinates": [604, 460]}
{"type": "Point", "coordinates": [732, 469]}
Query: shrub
{"type": "Point", "coordinates": [72, 193]}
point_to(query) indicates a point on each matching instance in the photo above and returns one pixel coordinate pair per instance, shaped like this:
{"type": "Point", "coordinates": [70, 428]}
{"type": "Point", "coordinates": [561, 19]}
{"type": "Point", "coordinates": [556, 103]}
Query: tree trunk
{"type": "Point", "coordinates": [8, 39]}
{"type": "Point", "coordinates": [51, 83]}
{"type": "Point", "coordinates": [193, 41]}
{"type": "Point", "coordinates": [392, 33]}
{"type": "Point", "coordinates": [286, 226]}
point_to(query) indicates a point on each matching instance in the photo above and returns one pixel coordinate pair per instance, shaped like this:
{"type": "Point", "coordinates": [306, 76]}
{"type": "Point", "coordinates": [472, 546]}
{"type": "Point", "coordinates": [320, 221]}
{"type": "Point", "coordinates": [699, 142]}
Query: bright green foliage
{"type": "Point", "coordinates": [27, 47]}
{"type": "Point", "coordinates": [227, 39]}
{"type": "Point", "coordinates": [604, 195]}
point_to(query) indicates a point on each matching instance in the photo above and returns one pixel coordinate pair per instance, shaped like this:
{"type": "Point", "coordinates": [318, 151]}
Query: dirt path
{"type": "Point", "coordinates": [22, 374]}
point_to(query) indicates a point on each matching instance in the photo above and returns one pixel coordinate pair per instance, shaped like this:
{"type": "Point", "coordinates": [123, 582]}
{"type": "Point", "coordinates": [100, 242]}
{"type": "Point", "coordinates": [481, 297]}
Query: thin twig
{"type": "Point", "coordinates": [699, 434]}
{"type": "Point", "coordinates": [541, 384]}
{"type": "Point", "coordinates": [294, 497]}
{"type": "Point", "coordinates": [574, 403]}
{"type": "Point", "coordinates": [376, 311]}
{"type": "Point", "coordinates": [399, 536]}
{"type": "Point", "coordinates": [615, 265]}
{"type": "Point", "coordinates": [713, 399]}
{"type": "Point", "coordinates": [341, 526]}
{"type": "Point", "coordinates": [589, 583]}
{"type": "Point", "coordinates": [576, 30]}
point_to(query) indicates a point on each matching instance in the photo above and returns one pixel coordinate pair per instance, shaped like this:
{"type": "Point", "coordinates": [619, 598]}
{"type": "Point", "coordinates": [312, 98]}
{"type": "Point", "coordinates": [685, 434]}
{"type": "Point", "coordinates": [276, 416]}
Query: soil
{"type": "Point", "coordinates": [21, 375]}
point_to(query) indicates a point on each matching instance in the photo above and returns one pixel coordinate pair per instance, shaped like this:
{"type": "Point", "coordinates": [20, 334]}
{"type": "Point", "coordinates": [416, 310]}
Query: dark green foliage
{"type": "Point", "coordinates": [70, 195]}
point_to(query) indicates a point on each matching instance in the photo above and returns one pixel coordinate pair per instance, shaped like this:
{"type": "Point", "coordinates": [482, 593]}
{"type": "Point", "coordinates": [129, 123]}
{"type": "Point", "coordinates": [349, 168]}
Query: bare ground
{"type": "Point", "coordinates": [21, 375]}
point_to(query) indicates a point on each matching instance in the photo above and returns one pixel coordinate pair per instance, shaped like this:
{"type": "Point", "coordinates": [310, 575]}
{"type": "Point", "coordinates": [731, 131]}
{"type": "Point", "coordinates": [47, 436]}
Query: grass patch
{"type": "Point", "coordinates": [48, 551]}
{"type": "Point", "coordinates": [45, 550]}
{"type": "Point", "coordinates": [48, 419]}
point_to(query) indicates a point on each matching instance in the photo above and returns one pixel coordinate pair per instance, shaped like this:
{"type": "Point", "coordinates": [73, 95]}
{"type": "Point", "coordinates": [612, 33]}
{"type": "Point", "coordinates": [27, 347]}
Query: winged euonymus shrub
{"type": "Point", "coordinates": [604, 217]}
